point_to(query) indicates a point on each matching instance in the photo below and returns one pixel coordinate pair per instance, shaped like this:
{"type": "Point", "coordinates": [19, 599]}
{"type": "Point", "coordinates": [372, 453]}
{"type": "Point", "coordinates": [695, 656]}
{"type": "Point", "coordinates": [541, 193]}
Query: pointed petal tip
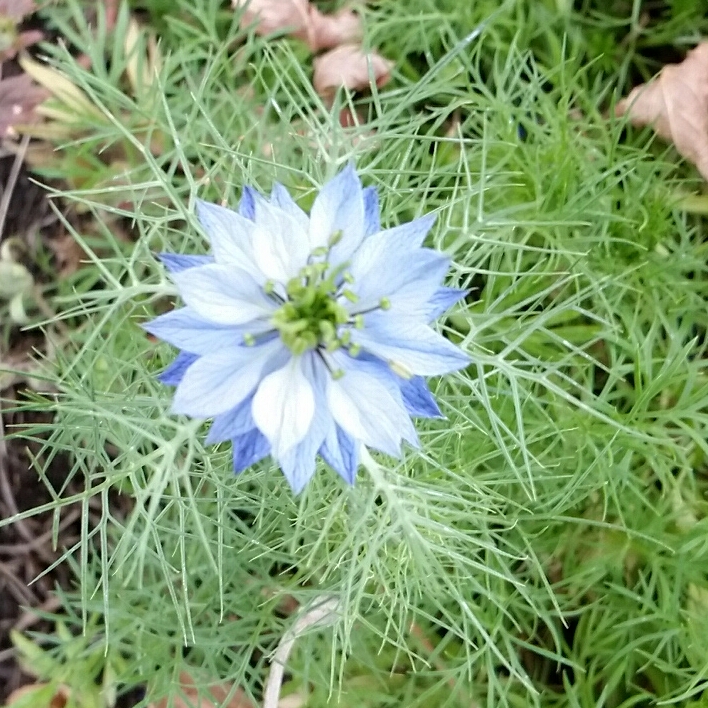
{"type": "Point", "coordinates": [177, 262]}
{"type": "Point", "coordinates": [297, 486]}
{"type": "Point", "coordinates": [177, 409]}
{"type": "Point", "coordinates": [442, 300]}
{"type": "Point", "coordinates": [201, 208]}
{"type": "Point", "coordinates": [347, 174]}
{"type": "Point", "coordinates": [248, 449]}
{"type": "Point", "coordinates": [430, 218]}
{"type": "Point", "coordinates": [173, 374]}
{"type": "Point", "coordinates": [247, 204]}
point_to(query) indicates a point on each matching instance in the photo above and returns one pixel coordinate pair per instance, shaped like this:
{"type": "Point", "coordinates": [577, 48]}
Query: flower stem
{"type": "Point", "coordinates": [322, 611]}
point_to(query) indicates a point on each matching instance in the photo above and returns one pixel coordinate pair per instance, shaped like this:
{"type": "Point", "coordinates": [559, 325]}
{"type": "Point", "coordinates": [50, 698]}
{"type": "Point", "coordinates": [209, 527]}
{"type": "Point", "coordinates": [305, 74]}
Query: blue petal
{"type": "Point", "coordinates": [176, 263]}
{"type": "Point", "coordinates": [298, 466]}
{"type": "Point", "coordinates": [339, 451]}
{"type": "Point", "coordinates": [442, 300]}
{"type": "Point", "coordinates": [372, 223]}
{"type": "Point", "coordinates": [184, 329]}
{"type": "Point", "coordinates": [247, 205]}
{"type": "Point", "coordinates": [249, 448]}
{"type": "Point", "coordinates": [417, 398]}
{"type": "Point", "coordinates": [231, 424]}
{"type": "Point", "coordinates": [173, 374]}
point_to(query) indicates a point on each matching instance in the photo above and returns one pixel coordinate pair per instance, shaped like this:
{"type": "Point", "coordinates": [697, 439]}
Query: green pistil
{"type": "Point", "coordinates": [312, 315]}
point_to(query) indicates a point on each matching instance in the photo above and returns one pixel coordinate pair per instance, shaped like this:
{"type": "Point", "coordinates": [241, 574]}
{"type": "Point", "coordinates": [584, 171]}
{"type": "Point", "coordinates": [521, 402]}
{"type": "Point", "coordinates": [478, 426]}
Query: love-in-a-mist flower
{"type": "Point", "coordinates": [308, 335]}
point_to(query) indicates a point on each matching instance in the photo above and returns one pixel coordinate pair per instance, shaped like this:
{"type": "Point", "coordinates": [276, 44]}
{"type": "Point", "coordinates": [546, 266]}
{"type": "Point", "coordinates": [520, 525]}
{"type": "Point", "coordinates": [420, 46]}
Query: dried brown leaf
{"type": "Point", "coordinates": [274, 15]}
{"type": "Point", "coordinates": [326, 31]}
{"type": "Point", "coordinates": [350, 66]}
{"type": "Point", "coordinates": [219, 694]}
{"type": "Point", "coordinates": [16, 9]}
{"type": "Point", "coordinates": [19, 96]}
{"type": "Point", "coordinates": [69, 255]}
{"type": "Point", "coordinates": [675, 104]}
{"type": "Point", "coordinates": [302, 20]}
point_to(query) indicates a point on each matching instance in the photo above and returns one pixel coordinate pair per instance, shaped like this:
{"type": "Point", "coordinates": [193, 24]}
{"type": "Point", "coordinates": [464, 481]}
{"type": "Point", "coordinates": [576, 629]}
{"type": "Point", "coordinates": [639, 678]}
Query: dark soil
{"type": "Point", "coordinates": [29, 547]}
{"type": "Point", "coordinates": [26, 547]}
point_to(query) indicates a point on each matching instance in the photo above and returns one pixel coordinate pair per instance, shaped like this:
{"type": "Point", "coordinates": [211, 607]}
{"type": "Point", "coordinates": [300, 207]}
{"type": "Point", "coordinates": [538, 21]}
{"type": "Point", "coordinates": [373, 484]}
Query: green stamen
{"type": "Point", "coordinates": [312, 314]}
{"type": "Point", "coordinates": [399, 369]}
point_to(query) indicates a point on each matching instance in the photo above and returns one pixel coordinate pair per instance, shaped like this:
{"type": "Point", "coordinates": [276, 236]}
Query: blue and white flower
{"type": "Point", "coordinates": [308, 335]}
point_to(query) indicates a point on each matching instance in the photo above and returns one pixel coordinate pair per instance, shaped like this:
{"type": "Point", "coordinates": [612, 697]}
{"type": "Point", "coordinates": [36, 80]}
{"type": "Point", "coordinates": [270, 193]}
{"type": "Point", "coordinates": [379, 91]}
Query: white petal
{"type": "Point", "coordinates": [408, 285]}
{"type": "Point", "coordinates": [225, 295]}
{"type": "Point", "coordinates": [410, 344]}
{"type": "Point", "coordinates": [284, 406]}
{"type": "Point", "coordinates": [230, 235]}
{"type": "Point", "coordinates": [298, 464]}
{"type": "Point", "coordinates": [339, 207]}
{"type": "Point", "coordinates": [218, 382]}
{"type": "Point", "coordinates": [384, 260]}
{"type": "Point", "coordinates": [183, 329]}
{"type": "Point", "coordinates": [280, 244]}
{"type": "Point", "coordinates": [367, 405]}
{"type": "Point", "coordinates": [282, 199]}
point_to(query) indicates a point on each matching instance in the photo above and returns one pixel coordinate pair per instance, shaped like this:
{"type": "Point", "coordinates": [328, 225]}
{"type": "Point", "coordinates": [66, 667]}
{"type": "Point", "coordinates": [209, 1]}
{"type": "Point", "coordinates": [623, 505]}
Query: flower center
{"type": "Point", "coordinates": [311, 316]}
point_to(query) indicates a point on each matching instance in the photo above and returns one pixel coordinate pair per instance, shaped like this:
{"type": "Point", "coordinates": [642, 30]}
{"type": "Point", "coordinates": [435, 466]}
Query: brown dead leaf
{"type": "Point", "coordinates": [302, 20]}
{"type": "Point", "coordinates": [675, 104]}
{"type": "Point", "coordinates": [16, 9]}
{"type": "Point", "coordinates": [69, 255]}
{"type": "Point", "coordinates": [274, 15]}
{"type": "Point", "coordinates": [219, 693]}
{"type": "Point", "coordinates": [326, 31]}
{"type": "Point", "coordinates": [350, 66]}
{"type": "Point", "coordinates": [19, 96]}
